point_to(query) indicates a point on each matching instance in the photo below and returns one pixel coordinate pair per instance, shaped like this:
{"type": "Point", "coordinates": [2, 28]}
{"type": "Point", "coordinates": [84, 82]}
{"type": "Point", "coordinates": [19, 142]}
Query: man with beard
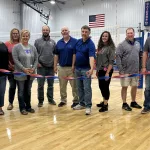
{"type": "Point", "coordinates": [45, 47]}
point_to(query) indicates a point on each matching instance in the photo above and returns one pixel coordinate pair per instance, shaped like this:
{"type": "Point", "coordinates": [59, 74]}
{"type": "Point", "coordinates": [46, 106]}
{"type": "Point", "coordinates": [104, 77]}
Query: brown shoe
{"type": "Point", "coordinates": [61, 104]}
{"type": "Point", "coordinates": [24, 112]}
{"type": "Point", "coordinates": [10, 107]}
{"type": "Point", "coordinates": [40, 104]}
{"type": "Point", "coordinates": [1, 112]}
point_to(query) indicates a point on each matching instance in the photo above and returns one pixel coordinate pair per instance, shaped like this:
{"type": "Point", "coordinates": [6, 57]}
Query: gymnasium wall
{"type": "Point", "coordinates": [74, 14]}
{"type": "Point", "coordinates": [9, 17]}
{"type": "Point", "coordinates": [123, 13]}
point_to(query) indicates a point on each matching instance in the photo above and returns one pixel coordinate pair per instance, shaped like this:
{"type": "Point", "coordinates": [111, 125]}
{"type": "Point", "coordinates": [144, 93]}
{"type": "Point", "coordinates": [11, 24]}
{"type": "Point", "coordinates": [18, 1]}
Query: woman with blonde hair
{"type": "Point", "coordinates": [26, 60]}
{"type": "Point", "coordinates": [14, 39]}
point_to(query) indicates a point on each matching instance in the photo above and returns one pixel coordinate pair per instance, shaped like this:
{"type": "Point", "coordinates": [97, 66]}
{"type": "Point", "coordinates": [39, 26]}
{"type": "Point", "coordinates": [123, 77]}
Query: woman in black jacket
{"type": "Point", "coordinates": [3, 65]}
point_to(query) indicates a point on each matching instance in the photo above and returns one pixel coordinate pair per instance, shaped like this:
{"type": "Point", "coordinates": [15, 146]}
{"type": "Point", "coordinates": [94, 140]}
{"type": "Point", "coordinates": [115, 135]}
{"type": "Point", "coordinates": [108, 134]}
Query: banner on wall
{"type": "Point", "coordinates": [147, 14]}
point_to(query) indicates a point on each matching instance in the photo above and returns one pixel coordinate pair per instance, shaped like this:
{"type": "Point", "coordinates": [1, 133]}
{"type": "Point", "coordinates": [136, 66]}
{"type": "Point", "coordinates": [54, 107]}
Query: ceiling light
{"type": "Point", "coordinates": [52, 2]}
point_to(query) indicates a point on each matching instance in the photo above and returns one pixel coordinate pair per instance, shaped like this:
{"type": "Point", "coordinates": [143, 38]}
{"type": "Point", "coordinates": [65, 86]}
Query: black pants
{"type": "Point", "coordinates": [103, 84]}
{"type": "Point", "coordinates": [24, 94]}
{"type": "Point", "coordinates": [2, 89]}
{"type": "Point", "coordinates": [12, 88]}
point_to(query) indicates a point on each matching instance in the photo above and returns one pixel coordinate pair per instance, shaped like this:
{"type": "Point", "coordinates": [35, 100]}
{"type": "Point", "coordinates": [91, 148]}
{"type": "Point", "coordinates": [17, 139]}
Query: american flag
{"type": "Point", "coordinates": [97, 21]}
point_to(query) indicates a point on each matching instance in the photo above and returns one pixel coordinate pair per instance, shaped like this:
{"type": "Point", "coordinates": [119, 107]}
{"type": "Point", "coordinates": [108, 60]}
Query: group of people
{"type": "Point", "coordinates": [75, 59]}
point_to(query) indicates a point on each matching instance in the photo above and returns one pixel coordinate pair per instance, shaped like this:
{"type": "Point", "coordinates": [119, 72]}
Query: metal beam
{"type": "Point", "coordinates": [46, 17]}
{"type": "Point", "coordinates": [42, 1]}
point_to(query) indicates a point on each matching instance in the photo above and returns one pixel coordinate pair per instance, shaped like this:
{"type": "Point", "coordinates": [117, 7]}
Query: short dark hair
{"type": "Point", "coordinates": [86, 27]}
{"type": "Point", "coordinates": [130, 28]}
{"type": "Point", "coordinates": [46, 26]}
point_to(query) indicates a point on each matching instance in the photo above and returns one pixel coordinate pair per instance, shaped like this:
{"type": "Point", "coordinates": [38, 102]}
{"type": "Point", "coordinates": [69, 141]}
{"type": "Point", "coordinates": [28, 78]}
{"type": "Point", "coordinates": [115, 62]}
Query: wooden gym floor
{"type": "Point", "coordinates": [53, 128]}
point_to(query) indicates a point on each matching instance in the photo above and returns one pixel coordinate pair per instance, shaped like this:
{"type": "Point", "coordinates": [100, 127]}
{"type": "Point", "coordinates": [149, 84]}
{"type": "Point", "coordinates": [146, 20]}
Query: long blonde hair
{"type": "Point", "coordinates": [11, 32]}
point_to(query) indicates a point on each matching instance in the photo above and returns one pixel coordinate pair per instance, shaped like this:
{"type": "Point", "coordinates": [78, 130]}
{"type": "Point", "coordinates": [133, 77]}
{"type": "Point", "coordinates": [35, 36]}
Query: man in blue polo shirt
{"type": "Point", "coordinates": [65, 55]}
{"type": "Point", "coordinates": [85, 53]}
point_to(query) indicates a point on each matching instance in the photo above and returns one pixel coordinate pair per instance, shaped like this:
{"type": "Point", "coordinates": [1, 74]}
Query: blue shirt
{"type": "Point", "coordinates": [65, 51]}
{"type": "Point", "coordinates": [84, 50]}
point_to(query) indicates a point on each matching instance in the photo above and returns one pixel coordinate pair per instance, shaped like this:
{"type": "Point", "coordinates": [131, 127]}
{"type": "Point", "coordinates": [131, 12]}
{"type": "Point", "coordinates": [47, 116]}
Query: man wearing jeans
{"type": "Point", "coordinates": [145, 68]}
{"type": "Point", "coordinates": [45, 47]}
{"type": "Point", "coordinates": [85, 53]}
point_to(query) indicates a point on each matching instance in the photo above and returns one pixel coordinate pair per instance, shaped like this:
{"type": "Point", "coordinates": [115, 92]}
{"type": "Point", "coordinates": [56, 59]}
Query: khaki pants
{"type": "Point", "coordinates": [67, 72]}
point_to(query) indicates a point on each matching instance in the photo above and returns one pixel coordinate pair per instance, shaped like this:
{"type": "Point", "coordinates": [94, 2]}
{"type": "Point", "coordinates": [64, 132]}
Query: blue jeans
{"type": "Point", "coordinates": [12, 88]}
{"type": "Point", "coordinates": [84, 88]}
{"type": "Point", "coordinates": [24, 94]}
{"type": "Point", "coordinates": [45, 71]}
{"type": "Point", "coordinates": [147, 92]}
{"type": "Point", "coordinates": [2, 89]}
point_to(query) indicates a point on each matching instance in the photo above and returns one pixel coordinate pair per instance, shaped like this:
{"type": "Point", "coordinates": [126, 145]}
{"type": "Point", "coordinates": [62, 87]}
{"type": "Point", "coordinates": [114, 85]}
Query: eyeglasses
{"type": "Point", "coordinates": [15, 33]}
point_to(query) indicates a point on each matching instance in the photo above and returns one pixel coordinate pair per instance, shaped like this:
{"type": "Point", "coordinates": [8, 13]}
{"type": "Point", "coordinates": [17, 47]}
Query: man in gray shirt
{"type": "Point", "coordinates": [45, 47]}
{"type": "Point", "coordinates": [127, 59]}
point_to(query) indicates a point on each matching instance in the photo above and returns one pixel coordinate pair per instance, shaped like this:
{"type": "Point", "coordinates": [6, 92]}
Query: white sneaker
{"type": "Point", "coordinates": [78, 107]}
{"type": "Point", "coordinates": [88, 111]}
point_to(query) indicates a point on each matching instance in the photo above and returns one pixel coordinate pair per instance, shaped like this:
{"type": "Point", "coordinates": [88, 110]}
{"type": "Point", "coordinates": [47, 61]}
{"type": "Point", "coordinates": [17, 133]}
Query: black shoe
{"type": "Point", "coordinates": [100, 104]}
{"type": "Point", "coordinates": [40, 104]}
{"type": "Point", "coordinates": [61, 104]}
{"type": "Point", "coordinates": [52, 102]}
{"type": "Point", "coordinates": [125, 106]}
{"type": "Point", "coordinates": [74, 104]}
{"type": "Point", "coordinates": [104, 108]}
{"type": "Point", "coordinates": [30, 110]}
{"type": "Point", "coordinates": [135, 105]}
